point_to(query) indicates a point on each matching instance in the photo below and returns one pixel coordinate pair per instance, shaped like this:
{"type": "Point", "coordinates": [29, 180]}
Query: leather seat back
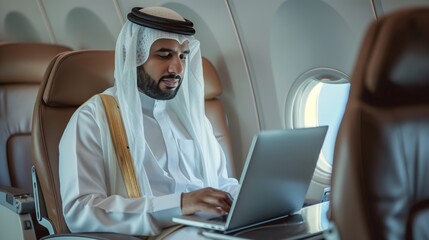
{"type": "Point", "coordinates": [381, 161]}
{"type": "Point", "coordinates": [73, 78]}
{"type": "Point", "coordinates": [215, 111]}
{"type": "Point", "coordinates": [22, 67]}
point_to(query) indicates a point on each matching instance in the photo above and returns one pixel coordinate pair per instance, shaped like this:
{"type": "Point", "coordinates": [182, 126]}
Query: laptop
{"type": "Point", "coordinates": [274, 182]}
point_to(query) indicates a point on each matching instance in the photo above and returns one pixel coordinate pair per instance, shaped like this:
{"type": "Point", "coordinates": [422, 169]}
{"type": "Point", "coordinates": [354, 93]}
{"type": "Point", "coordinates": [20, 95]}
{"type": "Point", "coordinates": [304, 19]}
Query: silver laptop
{"type": "Point", "coordinates": [274, 182]}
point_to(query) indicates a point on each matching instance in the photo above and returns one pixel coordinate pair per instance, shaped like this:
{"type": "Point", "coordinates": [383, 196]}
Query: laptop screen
{"type": "Point", "coordinates": [276, 176]}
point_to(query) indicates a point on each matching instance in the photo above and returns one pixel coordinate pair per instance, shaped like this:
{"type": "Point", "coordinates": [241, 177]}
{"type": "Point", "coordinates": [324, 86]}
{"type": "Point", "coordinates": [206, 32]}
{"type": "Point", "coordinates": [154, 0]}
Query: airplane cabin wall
{"type": "Point", "coordinates": [83, 24]}
{"type": "Point", "coordinates": [259, 48]}
{"type": "Point", "coordinates": [286, 39]}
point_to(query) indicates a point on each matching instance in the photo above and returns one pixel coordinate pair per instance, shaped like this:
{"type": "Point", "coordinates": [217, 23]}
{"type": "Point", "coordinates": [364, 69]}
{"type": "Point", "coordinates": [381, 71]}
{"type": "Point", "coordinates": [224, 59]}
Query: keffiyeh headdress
{"type": "Point", "coordinates": [143, 28]}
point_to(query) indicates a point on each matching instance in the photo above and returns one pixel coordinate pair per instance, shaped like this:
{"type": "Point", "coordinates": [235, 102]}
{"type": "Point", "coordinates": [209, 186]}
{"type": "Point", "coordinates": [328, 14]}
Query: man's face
{"type": "Point", "coordinates": [161, 75]}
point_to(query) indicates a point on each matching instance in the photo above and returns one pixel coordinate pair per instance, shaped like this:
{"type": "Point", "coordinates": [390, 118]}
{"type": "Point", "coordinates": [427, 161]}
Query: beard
{"type": "Point", "coordinates": [152, 88]}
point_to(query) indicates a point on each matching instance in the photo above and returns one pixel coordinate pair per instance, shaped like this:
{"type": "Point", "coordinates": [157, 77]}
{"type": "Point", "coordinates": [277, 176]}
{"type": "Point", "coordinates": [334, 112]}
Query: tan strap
{"type": "Point", "coordinates": [120, 142]}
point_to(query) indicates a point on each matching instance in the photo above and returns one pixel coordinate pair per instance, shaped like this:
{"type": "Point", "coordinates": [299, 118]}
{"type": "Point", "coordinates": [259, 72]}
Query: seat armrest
{"type": "Point", "coordinates": [16, 206]}
{"type": "Point", "coordinates": [16, 200]}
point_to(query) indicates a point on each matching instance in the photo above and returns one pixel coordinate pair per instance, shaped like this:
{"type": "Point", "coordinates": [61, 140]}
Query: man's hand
{"type": "Point", "coordinates": [207, 199]}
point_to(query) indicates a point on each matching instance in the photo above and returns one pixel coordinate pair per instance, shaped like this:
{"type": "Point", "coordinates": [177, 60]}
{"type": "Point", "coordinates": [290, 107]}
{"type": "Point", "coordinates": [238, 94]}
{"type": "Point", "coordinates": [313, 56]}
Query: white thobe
{"type": "Point", "coordinates": [90, 205]}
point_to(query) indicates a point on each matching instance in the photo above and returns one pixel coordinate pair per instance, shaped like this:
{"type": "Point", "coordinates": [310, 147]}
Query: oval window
{"type": "Point", "coordinates": [318, 97]}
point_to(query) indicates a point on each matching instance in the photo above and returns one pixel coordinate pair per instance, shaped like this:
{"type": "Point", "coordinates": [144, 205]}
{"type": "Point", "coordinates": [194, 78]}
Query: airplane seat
{"type": "Point", "coordinates": [72, 78]}
{"type": "Point", "coordinates": [381, 163]}
{"type": "Point", "coordinates": [22, 66]}
{"type": "Point", "coordinates": [215, 111]}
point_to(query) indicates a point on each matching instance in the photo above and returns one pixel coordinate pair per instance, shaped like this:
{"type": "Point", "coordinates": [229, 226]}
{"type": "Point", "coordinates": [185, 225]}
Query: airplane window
{"type": "Point", "coordinates": [325, 105]}
{"type": "Point", "coordinates": [319, 98]}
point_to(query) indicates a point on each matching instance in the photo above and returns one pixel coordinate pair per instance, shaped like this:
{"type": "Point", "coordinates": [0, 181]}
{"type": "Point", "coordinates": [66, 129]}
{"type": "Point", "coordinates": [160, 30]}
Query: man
{"type": "Point", "coordinates": [179, 166]}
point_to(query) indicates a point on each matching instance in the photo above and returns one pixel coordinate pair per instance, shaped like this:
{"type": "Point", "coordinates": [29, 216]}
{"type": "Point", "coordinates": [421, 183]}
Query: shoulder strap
{"type": "Point", "coordinates": [120, 142]}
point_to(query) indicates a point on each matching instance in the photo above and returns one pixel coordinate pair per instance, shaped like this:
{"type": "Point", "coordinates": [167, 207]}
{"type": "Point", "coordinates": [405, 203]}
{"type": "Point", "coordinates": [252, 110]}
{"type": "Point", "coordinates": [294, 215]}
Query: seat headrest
{"type": "Point", "coordinates": [26, 62]}
{"type": "Point", "coordinates": [76, 76]}
{"type": "Point", "coordinates": [212, 84]}
{"type": "Point", "coordinates": [395, 58]}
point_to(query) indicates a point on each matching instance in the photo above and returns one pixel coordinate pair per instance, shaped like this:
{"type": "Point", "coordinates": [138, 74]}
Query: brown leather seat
{"type": "Point", "coordinates": [73, 78]}
{"type": "Point", "coordinates": [22, 66]}
{"type": "Point", "coordinates": [215, 111]}
{"type": "Point", "coordinates": [381, 165]}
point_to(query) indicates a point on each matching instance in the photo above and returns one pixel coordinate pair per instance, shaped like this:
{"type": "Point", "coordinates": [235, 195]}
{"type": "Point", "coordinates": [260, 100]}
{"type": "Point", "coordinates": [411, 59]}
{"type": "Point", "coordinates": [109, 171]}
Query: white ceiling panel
{"type": "Point", "coordinates": [22, 20]}
{"type": "Point", "coordinates": [84, 24]}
